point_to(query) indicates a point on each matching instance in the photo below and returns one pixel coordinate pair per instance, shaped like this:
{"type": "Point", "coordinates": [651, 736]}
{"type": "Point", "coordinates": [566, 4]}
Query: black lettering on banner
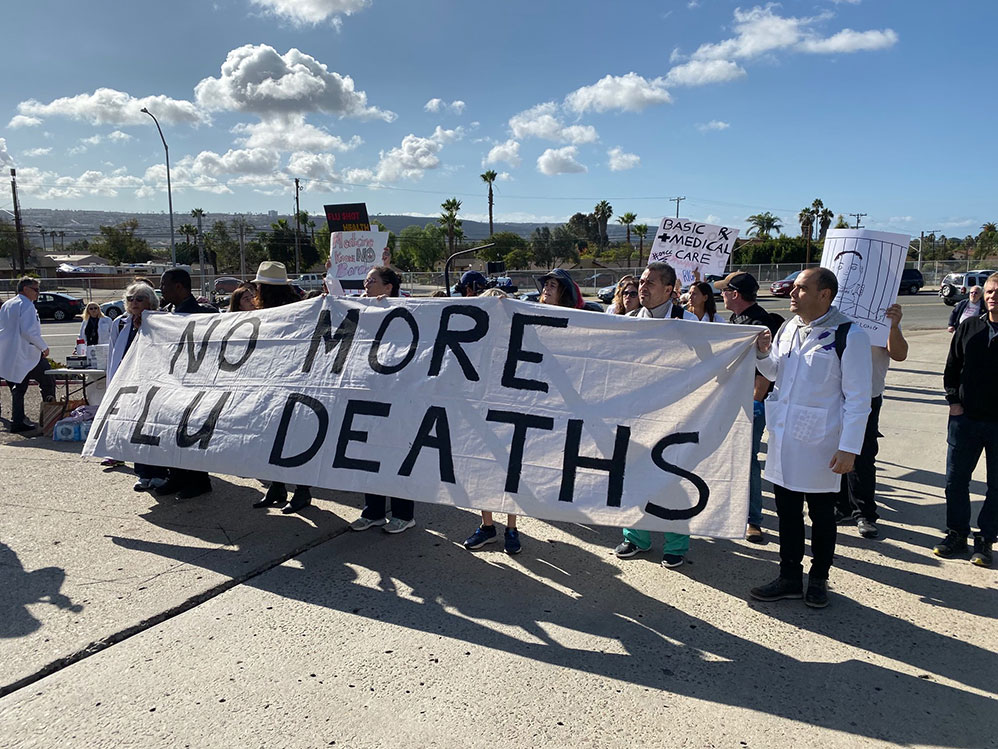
{"type": "Point", "coordinates": [372, 356]}
{"type": "Point", "coordinates": [515, 352]}
{"type": "Point", "coordinates": [433, 432]}
{"type": "Point", "coordinates": [293, 461]}
{"type": "Point", "coordinates": [137, 437]}
{"type": "Point", "coordinates": [343, 337]}
{"type": "Point", "coordinates": [679, 438]}
{"type": "Point", "coordinates": [113, 409]}
{"type": "Point", "coordinates": [224, 364]}
{"type": "Point", "coordinates": [614, 465]}
{"type": "Point", "coordinates": [193, 362]}
{"type": "Point", "coordinates": [203, 435]}
{"type": "Point", "coordinates": [348, 434]}
{"type": "Point", "coordinates": [521, 423]}
{"type": "Point", "coordinates": [452, 339]}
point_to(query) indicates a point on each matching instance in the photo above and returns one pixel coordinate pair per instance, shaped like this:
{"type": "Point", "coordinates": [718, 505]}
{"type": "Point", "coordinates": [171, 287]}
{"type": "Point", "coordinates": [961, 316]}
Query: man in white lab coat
{"type": "Point", "coordinates": [23, 351]}
{"type": "Point", "coordinates": [816, 418]}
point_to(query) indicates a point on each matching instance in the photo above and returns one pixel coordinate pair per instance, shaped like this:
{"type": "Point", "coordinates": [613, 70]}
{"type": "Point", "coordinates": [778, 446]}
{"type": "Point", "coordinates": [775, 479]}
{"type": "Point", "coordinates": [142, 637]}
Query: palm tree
{"type": "Point", "coordinates": [62, 240]}
{"type": "Point", "coordinates": [806, 219]}
{"type": "Point", "coordinates": [488, 178]}
{"type": "Point", "coordinates": [763, 223]}
{"type": "Point", "coordinates": [43, 233]}
{"type": "Point", "coordinates": [816, 207]}
{"type": "Point", "coordinates": [188, 230]}
{"type": "Point", "coordinates": [449, 220]}
{"type": "Point", "coordinates": [642, 231]}
{"type": "Point", "coordinates": [603, 212]}
{"type": "Point", "coordinates": [627, 219]}
{"type": "Point", "coordinates": [825, 219]}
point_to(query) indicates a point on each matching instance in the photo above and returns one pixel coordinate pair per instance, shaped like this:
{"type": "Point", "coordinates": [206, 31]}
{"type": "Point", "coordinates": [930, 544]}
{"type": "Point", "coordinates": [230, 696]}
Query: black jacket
{"type": "Point", "coordinates": [954, 317]}
{"type": "Point", "coordinates": [969, 377]}
{"type": "Point", "coordinates": [191, 306]}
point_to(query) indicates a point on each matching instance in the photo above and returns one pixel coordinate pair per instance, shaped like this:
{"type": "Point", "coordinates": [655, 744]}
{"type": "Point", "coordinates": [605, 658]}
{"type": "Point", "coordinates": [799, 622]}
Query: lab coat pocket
{"type": "Point", "coordinates": [807, 425]}
{"type": "Point", "coordinates": [819, 363]}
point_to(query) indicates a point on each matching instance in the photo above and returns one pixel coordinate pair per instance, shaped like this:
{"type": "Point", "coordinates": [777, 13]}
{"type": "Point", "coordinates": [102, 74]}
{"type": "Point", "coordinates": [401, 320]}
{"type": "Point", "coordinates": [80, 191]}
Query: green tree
{"type": "Point", "coordinates": [222, 248]}
{"type": "Point", "coordinates": [603, 212]}
{"type": "Point", "coordinates": [986, 241]}
{"type": "Point", "coordinates": [642, 231]}
{"type": "Point", "coordinates": [504, 242]}
{"type": "Point", "coordinates": [817, 206]}
{"type": "Point", "coordinates": [451, 223]}
{"type": "Point", "coordinates": [518, 259]}
{"type": "Point", "coordinates": [488, 178]}
{"type": "Point", "coordinates": [565, 245]}
{"type": "Point", "coordinates": [627, 219]}
{"type": "Point", "coordinates": [419, 248]}
{"type": "Point", "coordinates": [763, 224]}
{"type": "Point", "coordinates": [824, 222]}
{"type": "Point", "coordinates": [119, 244]}
{"type": "Point", "coordinates": [841, 222]}
{"type": "Point", "coordinates": [279, 244]}
{"type": "Point", "coordinates": [806, 219]}
{"type": "Point", "coordinates": [8, 240]}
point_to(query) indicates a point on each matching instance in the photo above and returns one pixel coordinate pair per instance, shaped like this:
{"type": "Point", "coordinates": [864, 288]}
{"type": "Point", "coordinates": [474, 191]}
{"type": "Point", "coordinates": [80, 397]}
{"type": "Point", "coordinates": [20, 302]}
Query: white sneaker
{"type": "Point", "coordinates": [142, 485]}
{"type": "Point", "coordinates": [362, 523]}
{"type": "Point", "coordinates": [397, 525]}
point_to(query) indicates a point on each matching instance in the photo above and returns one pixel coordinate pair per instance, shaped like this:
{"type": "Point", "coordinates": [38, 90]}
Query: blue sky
{"type": "Point", "coordinates": [885, 108]}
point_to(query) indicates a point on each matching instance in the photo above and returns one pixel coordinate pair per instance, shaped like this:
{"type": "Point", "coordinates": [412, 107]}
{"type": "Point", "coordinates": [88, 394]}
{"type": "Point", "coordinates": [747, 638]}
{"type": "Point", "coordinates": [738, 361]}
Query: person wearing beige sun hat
{"type": "Point", "coordinates": [273, 289]}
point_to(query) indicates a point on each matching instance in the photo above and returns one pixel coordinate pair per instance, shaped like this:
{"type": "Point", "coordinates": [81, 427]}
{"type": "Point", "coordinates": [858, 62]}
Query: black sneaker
{"type": "Point", "coordinates": [842, 518]}
{"type": "Point", "coordinates": [867, 528]}
{"type": "Point", "coordinates": [486, 534]}
{"type": "Point", "coordinates": [982, 552]}
{"type": "Point", "coordinates": [627, 549]}
{"type": "Point", "coordinates": [780, 588]}
{"type": "Point", "coordinates": [954, 543]}
{"type": "Point", "coordinates": [817, 594]}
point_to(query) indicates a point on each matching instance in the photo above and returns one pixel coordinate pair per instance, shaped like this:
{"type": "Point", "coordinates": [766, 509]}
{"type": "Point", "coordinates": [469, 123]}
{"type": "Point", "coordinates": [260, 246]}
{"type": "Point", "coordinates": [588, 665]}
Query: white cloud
{"type": "Point", "coordinates": [618, 161]}
{"type": "Point", "coordinates": [438, 105]}
{"type": "Point", "coordinates": [447, 136]}
{"type": "Point", "coordinates": [255, 78]}
{"type": "Point", "coordinates": [504, 153]}
{"type": "Point", "coordinates": [434, 105]}
{"type": "Point", "coordinates": [560, 161]}
{"type": "Point", "coordinates": [118, 136]}
{"type": "Point", "coordinates": [900, 220]}
{"type": "Point", "coordinates": [504, 177]}
{"type": "Point", "coordinates": [291, 133]}
{"type": "Point", "coordinates": [47, 185]}
{"type": "Point", "coordinates": [541, 122]}
{"type": "Point", "coordinates": [236, 162]}
{"type": "Point", "coordinates": [20, 120]}
{"type": "Point", "coordinates": [628, 93]}
{"type": "Point", "coordinates": [5, 158]}
{"type": "Point", "coordinates": [761, 31]}
{"type": "Point", "coordinates": [408, 160]}
{"type": "Point", "coordinates": [848, 40]}
{"type": "Point", "coordinates": [313, 165]}
{"type": "Point", "coordinates": [713, 125]}
{"type": "Point", "coordinates": [312, 12]}
{"type": "Point", "coordinates": [457, 106]}
{"type": "Point", "coordinates": [106, 106]}
{"type": "Point", "coordinates": [702, 72]}
{"type": "Point", "coordinates": [38, 152]}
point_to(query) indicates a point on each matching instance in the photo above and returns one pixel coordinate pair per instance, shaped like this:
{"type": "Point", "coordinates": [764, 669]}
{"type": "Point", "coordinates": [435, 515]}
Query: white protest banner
{"type": "Point", "coordinates": [353, 253]}
{"type": "Point", "coordinates": [868, 265]}
{"type": "Point", "coordinates": [691, 246]}
{"type": "Point", "coordinates": [495, 404]}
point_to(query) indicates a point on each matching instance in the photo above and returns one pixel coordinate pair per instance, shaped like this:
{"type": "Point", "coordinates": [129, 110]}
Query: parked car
{"type": "Point", "coordinates": [711, 280]}
{"type": "Point", "coordinates": [226, 284]}
{"type": "Point", "coordinates": [782, 288]}
{"type": "Point", "coordinates": [529, 296]}
{"type": "Point", "coordinates": [911, 281]}
{"type": "Point", "coordinates": [51, 305]}
{"type": "Point", "coordinates": [310, 281]}
{"type": "Point", "coordinates": [593, 307]}
{"type": "Point", "coordinates": [605, 294]}
{"type": "Point", "coordinates": [955, 286]}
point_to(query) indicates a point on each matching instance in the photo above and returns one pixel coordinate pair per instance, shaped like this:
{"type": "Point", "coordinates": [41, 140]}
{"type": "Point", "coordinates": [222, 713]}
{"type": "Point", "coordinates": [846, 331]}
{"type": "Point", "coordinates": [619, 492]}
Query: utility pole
{"type": "Point", "coordinates": [297, 215]}
{"type": "Point", "coordinates": [21, 256]}
{"type": "Point", "coordinates": [858, 216]}
{"type": "Point", "coordinates": [676, 201]}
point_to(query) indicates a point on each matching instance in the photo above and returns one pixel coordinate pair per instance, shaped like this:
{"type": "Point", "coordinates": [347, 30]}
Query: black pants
{"type": "Point", "coordinates": [858, 496]}
{"type": "Point", "coordinates": [185, 477]}
{"type": "Point", "coordinates": [374, 507]}
{"type": "Point", "coordinates": [146, 471]}
{"type": "Point", "coordinates": [821, 510]}
{"type": "Point", "coordinates": [39, 373]}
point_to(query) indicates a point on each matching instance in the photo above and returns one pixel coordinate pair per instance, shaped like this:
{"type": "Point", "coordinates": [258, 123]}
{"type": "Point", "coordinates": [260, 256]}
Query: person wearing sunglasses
{"type": "Point", "coordinates": [23, 352]}
{"type": "Point", "coordinates": [96, 326]}
{"type": "Point", "coordinates": [969, 307]}
{"type": "Point", "coordinates": [625, 298]}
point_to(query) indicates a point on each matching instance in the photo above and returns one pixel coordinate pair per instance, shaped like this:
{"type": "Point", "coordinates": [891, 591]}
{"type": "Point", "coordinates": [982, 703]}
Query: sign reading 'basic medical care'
{"type": "Point", "coordinates": [692, 246]}
{"type": "Point", "coordinates": [488, 403]}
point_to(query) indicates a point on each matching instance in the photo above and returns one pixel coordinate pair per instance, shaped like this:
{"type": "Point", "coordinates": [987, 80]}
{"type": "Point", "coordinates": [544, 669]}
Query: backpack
{"type": "Point", "coordinates": [677, 312]}
{"type": "Point", "coordinates": [841, 333]}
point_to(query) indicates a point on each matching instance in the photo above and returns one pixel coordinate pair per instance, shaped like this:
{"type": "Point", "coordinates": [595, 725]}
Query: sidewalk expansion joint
{"type": "Point", "coordinates": [135, 629]}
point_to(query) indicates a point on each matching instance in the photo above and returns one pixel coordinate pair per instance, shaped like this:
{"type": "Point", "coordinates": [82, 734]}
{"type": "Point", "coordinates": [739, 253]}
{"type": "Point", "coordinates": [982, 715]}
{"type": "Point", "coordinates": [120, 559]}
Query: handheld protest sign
{"type": "Point", "coordinates": [690, 246]}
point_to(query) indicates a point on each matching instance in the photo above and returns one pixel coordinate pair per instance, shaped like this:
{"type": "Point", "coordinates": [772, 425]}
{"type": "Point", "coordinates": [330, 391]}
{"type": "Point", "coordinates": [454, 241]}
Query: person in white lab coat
{"type": "Point", "coordinates": [23, 352]}
{"type": "Point", "coordinates": [816, 418]}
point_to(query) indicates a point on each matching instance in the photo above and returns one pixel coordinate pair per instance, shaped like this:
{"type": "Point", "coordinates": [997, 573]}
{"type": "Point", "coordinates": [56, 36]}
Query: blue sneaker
{"type": "Point", "coordinates": [512, 541]}
{"type": "Point", "coordinates": [486, 534]}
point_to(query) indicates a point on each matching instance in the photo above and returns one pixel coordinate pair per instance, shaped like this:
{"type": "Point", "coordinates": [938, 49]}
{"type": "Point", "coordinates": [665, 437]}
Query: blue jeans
{"type": "Point", "coordinates": [755, 468]}
{"type": "Point", "coordinates": [966, 439]}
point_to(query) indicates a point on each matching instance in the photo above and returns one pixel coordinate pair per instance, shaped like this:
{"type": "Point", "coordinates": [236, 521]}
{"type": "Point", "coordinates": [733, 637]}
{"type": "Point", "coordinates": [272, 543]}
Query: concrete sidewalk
{"type": "Point", "coordinates": [125, 620]}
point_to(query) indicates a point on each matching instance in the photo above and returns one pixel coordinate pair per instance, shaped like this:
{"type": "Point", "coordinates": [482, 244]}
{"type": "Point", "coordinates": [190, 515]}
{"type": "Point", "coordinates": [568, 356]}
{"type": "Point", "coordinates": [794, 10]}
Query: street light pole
{"type": "Point", "coordinates": [169, 190]}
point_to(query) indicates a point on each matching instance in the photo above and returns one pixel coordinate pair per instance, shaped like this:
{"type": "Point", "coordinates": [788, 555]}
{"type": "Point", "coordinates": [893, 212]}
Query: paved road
{"type": "Point", "coordinates": [922, 312]}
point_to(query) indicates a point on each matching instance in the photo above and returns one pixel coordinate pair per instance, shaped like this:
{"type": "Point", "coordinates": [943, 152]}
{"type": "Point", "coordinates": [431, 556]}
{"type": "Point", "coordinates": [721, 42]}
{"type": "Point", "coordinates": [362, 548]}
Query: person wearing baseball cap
{"type": "Point", "coordinates": [739, 290]}
{"type": "Point", "coordinates": [472, 283]}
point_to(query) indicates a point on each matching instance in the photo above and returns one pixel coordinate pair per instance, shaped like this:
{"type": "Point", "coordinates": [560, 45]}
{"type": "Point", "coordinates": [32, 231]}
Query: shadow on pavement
{"type": "Point", "coordinates": [19, 589]}
{"type": "Point", "coordinates": [483, 599]}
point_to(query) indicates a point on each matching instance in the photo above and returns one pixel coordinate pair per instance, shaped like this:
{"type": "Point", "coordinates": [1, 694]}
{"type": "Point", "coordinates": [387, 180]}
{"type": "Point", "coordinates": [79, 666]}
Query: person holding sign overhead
{"type": "Point", "coordinates": [381, 282]}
